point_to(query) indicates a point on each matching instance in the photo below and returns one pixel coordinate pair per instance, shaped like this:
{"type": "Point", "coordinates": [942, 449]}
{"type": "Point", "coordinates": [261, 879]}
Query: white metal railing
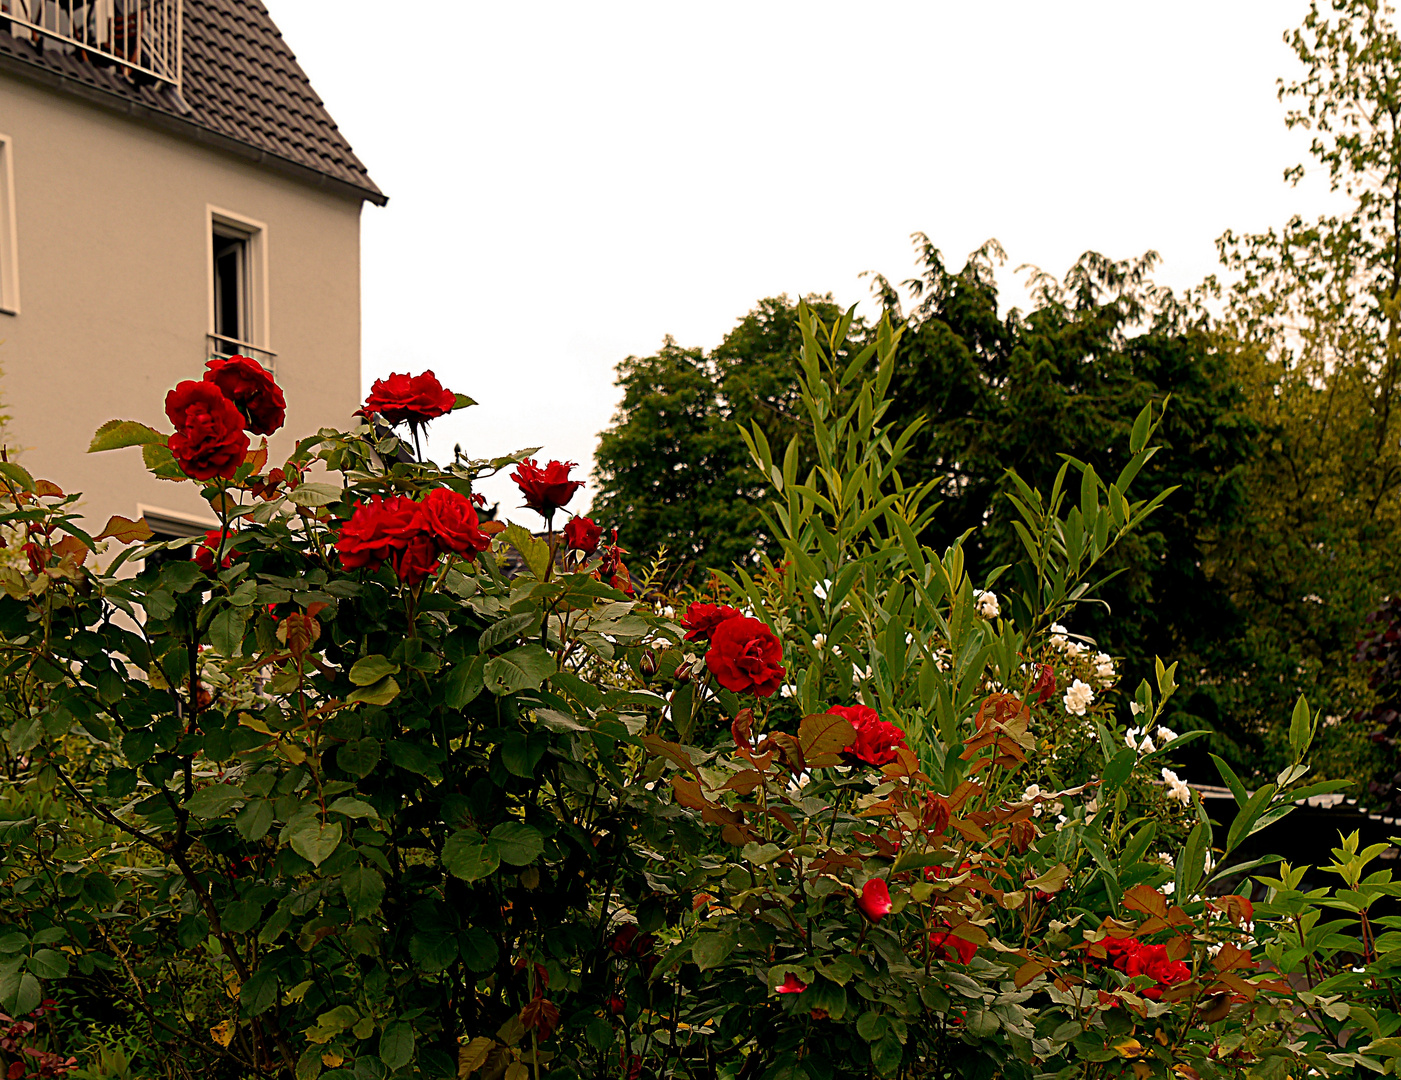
{"type": "Point", "coordinates": [141, 35]}
{"type": "Point", "coordinates": [223, 347]}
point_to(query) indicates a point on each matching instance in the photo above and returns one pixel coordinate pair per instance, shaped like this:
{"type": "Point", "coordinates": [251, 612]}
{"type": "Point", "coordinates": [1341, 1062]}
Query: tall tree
{"type": "Point", "coordinates": [1315, 315]}
{"type": "Point", "coordinates": [672, 471]}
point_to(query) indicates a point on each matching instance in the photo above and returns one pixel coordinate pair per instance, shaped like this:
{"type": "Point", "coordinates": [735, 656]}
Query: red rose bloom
{"type": "Point", "coordinates": [1134, 958]}
{"type": "Point", "coordinates": [876, 740]}
{"type": "Point", "coordinates": [792, 985]}
{"type": "Point", "coordinates": [952, 947]}
{"type": "Point", "coordinates": [252, 390]}
{"type": "Point", "coordinates": [581, 534]}
{"type": "Point", "coordinates": [204, 554]}
{"type": "Point", "coordinates": [377, 531]}
{"type": "Point", "coordinates": [701, 619]}
{"type": "Point", "coordinates": [415, 398]}
{"type": "Point", "coordinates": [547, 489]}
{"type": "Point", "coordinates": [451, 520]}
{"type": "Point", "coordinates": [874, 901]}
{"type": "Point", "coordinates": [416, 559]}
{"type": "Point", "coordinates": [745, 656]}
{"type": "Point", "coordinates": [209, 440]}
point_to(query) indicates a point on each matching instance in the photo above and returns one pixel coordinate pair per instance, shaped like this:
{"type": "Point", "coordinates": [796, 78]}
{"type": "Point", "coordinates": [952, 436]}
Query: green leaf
{"type": "Point", "coordinates": [1241, 827]}
{"type": "Point", "coordinates": [508, 629]}
{"type": "Point", "coordinates": [517, 843]}
{"type": "Point", "coordinates": [160, 461]}
{"type": "Point", "coordinates": [478, 948]}
{"type": "Point", "coordinates": [316, 494]}
{"type": "Point", "coordinates": [255, 819]}
{"type": "Point", "coordinates": [381, 693]}
{"type": "Point", "coordinates": [116, 434]}
{"type": "Point", "coordinates": [464, 682]}
{"type": "Point", "coordinates": [1300, 728]}
{"type": "Point", "coordinates": [226, 630]}
{"type": "Point", "coordinates": [315, 840]}
{"type": "Point", "coordinates": [363, 887]}
{"type": "Point", "coordinates": [352, 807]}
{"type": "Point", "coordinates": [1119, 769]}
{"type": "Point", "coordinates": [371, 669]}
{"type": "Point", "coordinates": [17, 475]}
{"type": "Point", "coordinates": [358, 757]}
{"type": "Point", "coordinates": [710, 950]}
{"type": "Point", "coordinates": [396, 1045]}
{"type": "Point", "coordinates": [467, 855]}
{"type": "Point", "coordinates": [215, 800]}
{"type": "Point", "coordinates": [536, 553]}
{"type": "Point", "coordinates": [259, 993]}
{"type": "Point", "coordinates": [524, 668]}
{"type": "Point", "coordinates": [461, 401]}
{"type": "Point", "coordinates": [48, 964]}
{"type": "Point", "coordinates": [1232, 781]}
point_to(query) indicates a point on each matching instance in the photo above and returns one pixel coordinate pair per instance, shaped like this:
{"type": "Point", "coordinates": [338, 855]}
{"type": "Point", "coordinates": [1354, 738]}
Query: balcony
{"type": "Point", "coordinates": [141, 36]}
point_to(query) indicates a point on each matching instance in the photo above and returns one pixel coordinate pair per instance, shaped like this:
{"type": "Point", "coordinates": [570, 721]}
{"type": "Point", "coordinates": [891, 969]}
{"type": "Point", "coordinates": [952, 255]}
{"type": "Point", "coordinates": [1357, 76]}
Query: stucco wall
{"type": "Point", "coordinates": [114, 290]}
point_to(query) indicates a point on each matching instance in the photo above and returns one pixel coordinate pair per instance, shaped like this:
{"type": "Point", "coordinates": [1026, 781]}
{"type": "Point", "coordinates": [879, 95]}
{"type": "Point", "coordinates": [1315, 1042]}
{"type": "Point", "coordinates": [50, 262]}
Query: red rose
{"type": "Point", "coordinates": [745, 656]}
{"type": "Point", "coordinates": [376, 531]}
{"type": "Point", "coordinates": [252, 390]}
{"type": "Point", "coordinates": [581, 534]}
{"type": "Point", "coordinates": [951, 946]}
{"type": "Point", "coordinates": [876, 740]}
{"type": "Point", "coordinates": [874, 901]}
{"type": "Point", "coordinates": [209, 440]}
{"type": "Point", "coordinates": [204, 554]}
{"type": "Point", "coordinates": [451, 520]}
{"type": "Point", "coordinates": [1134, 958]}
{"type": "Point", "coordinates": [547, 489]}
{"type": "Point", "coordinates": [701, 619]}
{"type": "Point", "coordinates": [415, 398]}
{"type": "Point", "coordinates": [792, 984]}
{"type": "Point", "coordinates": [417, 559]}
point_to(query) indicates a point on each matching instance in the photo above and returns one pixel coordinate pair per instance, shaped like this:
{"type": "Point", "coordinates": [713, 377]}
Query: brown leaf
{"type": "Point", "coordinates": [71, 545]}
{"type": "Point", "coordinates": [1146, 899]}
{"type": "Point", "coordinates": [1217, 1009]}
{"type": "Point", "coordinates": [1030, 970]}
{"type": "Point", "coordinates": [124, 530]}
{"type": "Point", "coordinates": [824, 734]}
{"type": "Point", "coordinates": [1186, 1072]}
{"type": "Point", "coordinates": [742, 729]}
{"type": "Point", "coordinates": [1023, 835]}
{"type": "Point", "coordinates": [1231, 957]}
{"type": "Point", "coordinates": [673, 752]}
{"type": "Point", "coordinates": [258, 457]}
{"type": "Point", "coordinates": [491, 528]}
{"type": "Point", "coordinates": [744, 782]}
{"type": "Point", "coordinates": [47, 488]}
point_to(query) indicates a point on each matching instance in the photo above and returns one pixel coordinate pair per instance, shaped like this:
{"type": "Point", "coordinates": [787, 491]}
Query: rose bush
{"type": "Point", "coordinates": [333, 795]}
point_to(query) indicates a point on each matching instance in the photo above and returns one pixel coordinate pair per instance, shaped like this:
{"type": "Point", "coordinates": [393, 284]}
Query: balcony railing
{"type": "Point", "coordinates": [142, 36]}
{"type": "Point", "coordinates": [223, 347]}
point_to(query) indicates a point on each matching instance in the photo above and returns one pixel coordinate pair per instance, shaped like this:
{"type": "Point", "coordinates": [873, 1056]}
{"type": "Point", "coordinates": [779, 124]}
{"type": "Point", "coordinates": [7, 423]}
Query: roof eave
{"type": "Point", "coordinates": [47, 77]}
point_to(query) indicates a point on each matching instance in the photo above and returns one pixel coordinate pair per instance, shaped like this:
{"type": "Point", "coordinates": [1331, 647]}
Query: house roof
{"type": "Point", "coordinates": [242, 90]}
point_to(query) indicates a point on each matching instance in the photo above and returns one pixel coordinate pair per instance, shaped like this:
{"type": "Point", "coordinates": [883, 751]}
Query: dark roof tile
{"type": "Point", "coordinates": [239, 81]}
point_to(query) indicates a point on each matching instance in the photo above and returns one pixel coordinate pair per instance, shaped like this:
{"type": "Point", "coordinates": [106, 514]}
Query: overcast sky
{"type": "Point", "coordinates": [571, 182]}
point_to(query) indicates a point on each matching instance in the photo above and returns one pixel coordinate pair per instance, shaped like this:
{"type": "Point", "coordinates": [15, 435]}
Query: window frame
{"type": "Point", "coordinates": [9, 244]}
{"type": "Point", "coordinates": [253, 233]}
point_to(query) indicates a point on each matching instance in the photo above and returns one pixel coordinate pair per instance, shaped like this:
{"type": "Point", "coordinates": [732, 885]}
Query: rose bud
{"type": "Point", "coordinates": [874, 901]}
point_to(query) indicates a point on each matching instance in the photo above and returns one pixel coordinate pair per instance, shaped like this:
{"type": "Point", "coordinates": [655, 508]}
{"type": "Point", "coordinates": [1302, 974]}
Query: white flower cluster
{"type": "Point", "coordinates": [1104, 669]}
{"type": "Point", "coordinates": [987, 604]}
{"type": "Point", "coordinates": [1060, 641]}
{"type": "Point", "coordinates": [1137, 739]}
{"type": "Point", "coordinates": [1177, 788]}
{"type": "Point", "coordinates": [1035, 792]}
{"type": "Point", "coordinates": [1077, 699]}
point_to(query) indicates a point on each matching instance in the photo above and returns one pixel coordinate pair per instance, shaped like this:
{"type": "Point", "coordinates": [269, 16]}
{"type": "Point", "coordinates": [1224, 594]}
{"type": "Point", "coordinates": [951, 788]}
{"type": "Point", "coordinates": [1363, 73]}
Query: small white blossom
{"type": "Point", "coordinates": [1167, 860]}
{"type": "Point", "coordinates": [1135, 708]}
{"type": "Point", "coordinates": [1168, 888]}
{"type": "Point", "coordinates": [1058, 638]}
{"type": "Point", "coordinates": [1214, 948]}
{"type": "Point", "coordinates": [819, 640]}
{"type": "Point", "coordinates": [1104, 668]}
{"type": "Point", "coordinates": [1078, 698]}
{"type": "Point", "coordinates": [1056, 926]}
{"type": "Point", "coordinates": [1165, 735]}
{"type": "Point", "coordinates": [1133, 742]}
{"type": "Point", "coordinates": [1177, 788]}
{"type": "Point", "coordinates": [1073, 649]}
{"type": "Point", "coordinates": [988, 606]}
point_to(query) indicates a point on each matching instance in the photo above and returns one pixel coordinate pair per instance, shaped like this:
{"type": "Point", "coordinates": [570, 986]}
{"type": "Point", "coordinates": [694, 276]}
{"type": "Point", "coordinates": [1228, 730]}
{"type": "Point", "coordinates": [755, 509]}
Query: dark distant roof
{"type": "Point", "coordinates": [242, 90]}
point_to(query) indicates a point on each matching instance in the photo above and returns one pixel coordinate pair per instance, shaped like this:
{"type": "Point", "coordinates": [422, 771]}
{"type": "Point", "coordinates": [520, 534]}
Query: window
{"type": "Point", "coordinates": [238, 308]}
{"type": "Point", "coordinates": [9, 257]}
{"type": "Point", "coordinates": [171, 525]}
